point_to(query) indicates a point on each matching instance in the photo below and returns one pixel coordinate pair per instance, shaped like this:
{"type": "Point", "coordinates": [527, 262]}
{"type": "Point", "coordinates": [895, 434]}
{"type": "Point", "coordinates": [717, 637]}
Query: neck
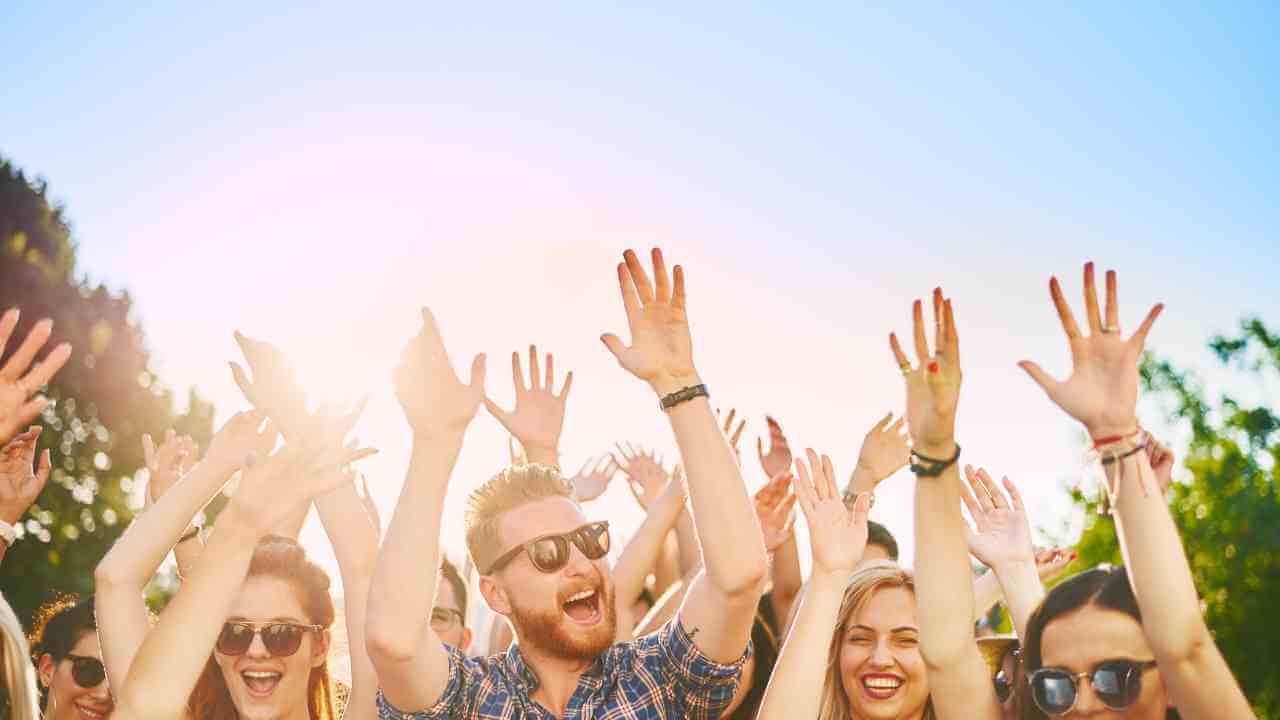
{"type": "Point", "coordinates": [557, 677]}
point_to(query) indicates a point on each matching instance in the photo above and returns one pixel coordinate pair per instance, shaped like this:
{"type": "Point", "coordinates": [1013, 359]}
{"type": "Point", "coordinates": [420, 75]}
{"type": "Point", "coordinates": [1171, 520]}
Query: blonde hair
{"type": "Point", "coordinates": [509, 489]}
{"type": "Point", "coordinates": [19, 676]}
{"type": "Point", "coordinates": [862, 585]}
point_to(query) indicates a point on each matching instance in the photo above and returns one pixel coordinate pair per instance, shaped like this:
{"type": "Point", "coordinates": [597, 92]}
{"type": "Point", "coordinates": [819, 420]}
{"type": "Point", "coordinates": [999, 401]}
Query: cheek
{"type": "Point", "coordinates": [912, 662]}
{"type": "Point", "coordinates": [851, 659]}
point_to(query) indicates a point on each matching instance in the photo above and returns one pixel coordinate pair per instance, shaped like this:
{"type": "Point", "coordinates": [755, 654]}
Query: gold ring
{"type": "Point", "coordinates": [905, 368]}
{"type": "Point", "coordinates": [1111, 329]}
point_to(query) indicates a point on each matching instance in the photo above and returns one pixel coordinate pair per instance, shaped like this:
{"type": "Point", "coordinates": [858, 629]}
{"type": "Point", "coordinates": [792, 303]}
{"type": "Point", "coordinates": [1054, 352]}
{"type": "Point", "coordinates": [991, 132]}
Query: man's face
{"type": "Point", "coordinates": [446, 616]}
{"type": "Point", "coordinates": [568, 613]}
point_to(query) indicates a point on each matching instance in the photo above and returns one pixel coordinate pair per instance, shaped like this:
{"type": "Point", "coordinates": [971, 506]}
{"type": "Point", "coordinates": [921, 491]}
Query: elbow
{"type": "Point", "coordinates": [748, 580]}
{"type": "Point", "coordinates": [107, 576]}
{"type": "Point", "coordinates": [387, 643]}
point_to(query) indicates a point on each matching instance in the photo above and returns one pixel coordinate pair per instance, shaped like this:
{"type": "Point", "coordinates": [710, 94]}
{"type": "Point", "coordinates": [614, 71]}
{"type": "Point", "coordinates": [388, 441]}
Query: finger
{"type": "Point", "coordinates": [26, 352]}
{"type": "Point", "coordinates": [677, 295]}
{"type": "Point", "coordinates": [815, 468]}
{"type": "Point", "coordinates": [1014, 496]}
{"type": "Point", "coordinates": [47, 368]}
{"type": "Point", "coordinates": [1064, 310]}
{"type": "Point", "coordinates": [1139, 338]}
{"type": "Point", "coordinates": [242, 381]}
{"type": "Point", "coordinates": [917, 323]}
{"type": "Point", "coordinates": [535, 375]}
{"type": "Point", "coordinates": [550, 382]}
{"type": "Point", "coordinates": [31, 409]}
{"type": "Point", "coordinates": [8, 322]}
{"type": "Point", "coordinates": [951, 350]}
{"type": "Point", "coordinates": [728, 423]}
{"type": "Point", "coordinates": [1113, 306]}
{"type": "Point", "coordinates": [42, 470]}
{"type": "Point", "coordinates": [568, 383]}
{"type": "Point", "coordinates": [148, 450]}
{"type": "Point", "coordinates": [898, 356]}
{"type": "Point", "coordinates": [861, 508]}
{"type": "Point", "coordinates": [630, 296]}
{"type": "Point", "coordinates": [737, 434]}
{"type": "Point", "coordinates": [614, 344]}
{"type": "Point", "coordinates": [938, 336]}
{"type": "Point", "coordinates": [896, 427]}
{"type": "Point", "coordinates": [966, 496]}
{"type": "Point", "coordinates": [622, 452]}
{"type": "Point", "coordinates": [997, 498]}
{"type": "Point", "coordinates": [760, 448]}
{"type": "Point", "coordinates": [477, 373]}
{"type": "Point", "coordinates": [804, 489]}
{"type": "Point", "coordinates": [640, 279]}
{"type": "Point", "coordinates": [829, 475]}
{"type": "Point", "coordinates": [498, 413]}
{"type": "Point", "coordinates": [517, 373]}
{"type": "Point", "coordinates": [1041, 377]}
{"type": "Point", "coordinates": [880, 426]}
{"type": "Point", "coordinates": [1091, 300]}
{"type": "Point", "coordinates": [661, 285]}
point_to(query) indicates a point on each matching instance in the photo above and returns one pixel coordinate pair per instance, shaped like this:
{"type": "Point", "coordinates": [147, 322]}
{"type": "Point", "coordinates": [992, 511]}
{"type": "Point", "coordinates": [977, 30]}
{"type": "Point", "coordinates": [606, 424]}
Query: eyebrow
{"type": "Point", "coordinates": [904, 628]}
{"type": "Point", "coordinates": [277, 619]}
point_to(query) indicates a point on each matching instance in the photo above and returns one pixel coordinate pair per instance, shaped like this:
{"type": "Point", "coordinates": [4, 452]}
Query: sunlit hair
{"type": "Point", "coordinates": [282, 558]}
{"type": "Point", "coordinates": [18, 675]}
{"type": "Point", "coordinates": [505, 491]}
{"type": "Point", "coordinates": [1104, 587]}
{"type": "Point", "coordinates": [862, 585]}
{"type": "Point", "coordinates": [58, 626]}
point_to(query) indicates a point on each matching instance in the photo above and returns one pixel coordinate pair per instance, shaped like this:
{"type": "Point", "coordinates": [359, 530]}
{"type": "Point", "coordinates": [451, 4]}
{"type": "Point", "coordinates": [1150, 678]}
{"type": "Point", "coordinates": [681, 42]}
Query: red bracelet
{"type": "Point", "coordinates": [1114, 438]}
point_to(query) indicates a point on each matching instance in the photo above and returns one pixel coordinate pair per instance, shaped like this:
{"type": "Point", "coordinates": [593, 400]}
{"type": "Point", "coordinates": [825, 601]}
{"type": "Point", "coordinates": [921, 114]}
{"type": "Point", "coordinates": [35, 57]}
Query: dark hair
{"type": "Point", "coordinates": [1103, 587]}
{"type": "Point", "coordinates": [279, 557]}
{"type": "Point", "coordinates": [454, 578]}
{"type": "Point", "coordinates": [764, 648]}
{"type": "Point", "coordinates": [878, 534]}
{"type": "Point", "coordinates": [59, 624]}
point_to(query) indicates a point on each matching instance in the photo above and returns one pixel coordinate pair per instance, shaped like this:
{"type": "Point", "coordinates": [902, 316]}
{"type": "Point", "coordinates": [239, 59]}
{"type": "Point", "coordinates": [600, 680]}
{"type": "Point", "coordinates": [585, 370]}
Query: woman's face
{"type": "Point", "coordinates": [263, 685]}
{"type": "Point", "coordinates": [1079, 641]}
{"type": "Point", "coordinates": [881, 670]}
{"type": "Point", "coordinates": [68, 700]}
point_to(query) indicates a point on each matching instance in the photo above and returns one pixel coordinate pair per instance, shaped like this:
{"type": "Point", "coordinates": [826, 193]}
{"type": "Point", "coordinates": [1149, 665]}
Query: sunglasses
{"type": "Point", "coordinates": [88, 672]}
{"type": "Point", "coordinates": [281, 639]}
{"type": "Point", "coordinates": [1002, 682]}
{"type": "Point", "coordinates": [549, 553]}
{"type": "Point", "coordinates": [1118, 684]}
{"type": "Point", "coordinates": [444, 615]}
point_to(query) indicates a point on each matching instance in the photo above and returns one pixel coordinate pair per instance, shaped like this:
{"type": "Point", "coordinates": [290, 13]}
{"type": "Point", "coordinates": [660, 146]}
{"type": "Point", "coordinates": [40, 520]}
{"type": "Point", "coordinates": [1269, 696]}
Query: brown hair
{"type": "Point", "coordinates": [862, 585]}
{"type": "Point", "coordinates": [283, 558]}
{"type": "Point", "coordinates": [509, 489]}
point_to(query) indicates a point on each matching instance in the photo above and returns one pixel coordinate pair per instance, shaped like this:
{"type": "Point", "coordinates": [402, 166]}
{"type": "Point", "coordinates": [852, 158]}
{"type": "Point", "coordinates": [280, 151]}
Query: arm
{"type": "Point", "coordinates": [539, 415]}
{"type": "Point", "coordinates": [411, 661]}
{"type": "Point", "coordinates": [959, 681]}
{"type": "Point", "coordinates": [838, 537]}
{"type": "Point", "coordinates": [884, 452]}
{"type": "Point", "coordinates": [666, 607]}
{"type": "Point", "coordinates": [1002, 542]}
{"type": "Point", "coordinates": [131, 562]}
{"type": "Point", "coordinates": [20, 483]}
{"type": "Point", "coordinates": [639, 555]}
{"type": "Point", "coordinates": [721, 605]}
{"type": "Point", "coordinates": [775, 511]}
{"type": "Point", "coordinates": [986, 595]}
{"type": "Point", "coordinates": [1102, 394]}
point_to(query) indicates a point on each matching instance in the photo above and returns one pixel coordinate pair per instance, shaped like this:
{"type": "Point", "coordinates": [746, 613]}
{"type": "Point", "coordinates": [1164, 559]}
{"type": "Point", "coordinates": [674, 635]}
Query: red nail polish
{"type": "Point", "coordinates": [933, 366]}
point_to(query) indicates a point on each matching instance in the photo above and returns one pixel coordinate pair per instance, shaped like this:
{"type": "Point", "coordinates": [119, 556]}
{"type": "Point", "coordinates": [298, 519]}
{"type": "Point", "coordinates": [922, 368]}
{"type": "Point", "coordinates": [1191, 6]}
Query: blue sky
{"type": "Point", "coordinates": [313, 175]}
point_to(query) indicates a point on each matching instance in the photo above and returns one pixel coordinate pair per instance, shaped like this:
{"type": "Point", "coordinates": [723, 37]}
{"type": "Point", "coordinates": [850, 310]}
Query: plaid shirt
{"type": "Point", "coordinates": [659, 676]}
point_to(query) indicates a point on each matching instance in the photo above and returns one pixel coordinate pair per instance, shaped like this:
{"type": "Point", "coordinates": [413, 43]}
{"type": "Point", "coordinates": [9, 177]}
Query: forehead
{"type": "Point", "coordinates": [545, 516]}
{"type": "Point", "coordinates": [445, 597]}
{"type": "Point", "coordinates": [874, 553]}
{"type": "Point", "coordinates": [263, 597]}
{"type": "Point", "coordinates": [87, 645]}
{"type": "Point", "coordinates": [1080, 640]}
{"type": "Point", "coordinates": [888, 608]}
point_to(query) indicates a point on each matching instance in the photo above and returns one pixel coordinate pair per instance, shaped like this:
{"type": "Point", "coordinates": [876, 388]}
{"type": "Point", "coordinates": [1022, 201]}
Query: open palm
{"type": "Point", "coordinates": [661, 348]}
{"type": "Point", "coordinates": [17, 406]}
{"type": "Point", "coordinates": [434, 400]}
{"type": "Point", "coordinates": [1001, 532]}
{"type": "Point", "coordinates": [594, 478]}
{"type": "Point", "coordinates": [20, 481]}
{"type": "Point", "coordinates": [778, 459]}
{"type": "Point", "coordinates": [837, 534]}
{"type": "Point", "coordinates": [885, 449]}
{"type": "Point", "coordinates": [538, 417]}
{"type": "Point", "coordinates": [933, 385]}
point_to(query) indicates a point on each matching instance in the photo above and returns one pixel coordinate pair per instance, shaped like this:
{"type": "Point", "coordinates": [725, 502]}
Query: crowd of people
{"type": "Point", "coordinates": [705, 613]}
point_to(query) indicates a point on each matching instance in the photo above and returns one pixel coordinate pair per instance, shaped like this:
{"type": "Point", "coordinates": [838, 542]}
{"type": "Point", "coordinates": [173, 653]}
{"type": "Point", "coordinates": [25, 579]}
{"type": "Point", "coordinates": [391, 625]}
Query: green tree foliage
{"type": "Point", "coordinates": [105, 399]}
{"type": "Point", "coordinates": [1225, 502]}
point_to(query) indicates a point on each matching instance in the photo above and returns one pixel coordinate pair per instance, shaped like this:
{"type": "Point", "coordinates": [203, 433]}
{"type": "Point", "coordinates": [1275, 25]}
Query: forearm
{"type": "Point", "coordinates": [666, 572]}
{"type": "Point", "coordinates": [542, 456]}
{"type": "Point", "coordinates": [355, 544]}
{"type": "Point", "coordinates": [862, 482]}
{"type": "Point", "coordinates": [688, 547]}
{"type": "Point", "coordinates": [944, 599]}
{"type": "Point", "coordinates": [787, 578]}
{"type": "Point", "coordinates": [639, 556]}
{"type": "Point", "coordinates": [171, 659]}
{"type": "Point", "coordinates": [735, 556]}
{"type": "Point", "coordinates": [986, 593]}
{"type": "Point", "coordinates": [795, 687]}
{"type": "Point", "coordinates": [1022, 589]}
{"type": "Point", "coordinates": [187, 553]}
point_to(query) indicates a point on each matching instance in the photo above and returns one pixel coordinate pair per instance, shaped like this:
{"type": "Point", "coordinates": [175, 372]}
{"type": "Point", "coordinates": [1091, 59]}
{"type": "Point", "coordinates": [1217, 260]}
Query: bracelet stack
{"type": "Point", "coordinates": [1111, 451]}
{"type": "Point", "coordinates": [925, 466]}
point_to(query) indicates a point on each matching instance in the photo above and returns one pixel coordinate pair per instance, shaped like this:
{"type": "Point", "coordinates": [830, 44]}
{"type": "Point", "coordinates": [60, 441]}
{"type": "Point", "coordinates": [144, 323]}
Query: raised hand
{"type": "Point", "coordinates": [20, 481]}
{"type": "Point", "coordinates": [1162, 461]}
{"type": "Point", "coordinates": [17, 406]}
{"type": "Point", "coordinates": [594, 477]}
{"type": "Point", "coordinates": [273, 487]}
{"type": "Point", "coordinates": [437, 404]}
{"type": "Point", "coordinates": [240, 437]}
{"type": "Point", "coordinates": [661, 350]}
{"type": "Point", "coordinates": [1052, 563]}
{"type": "Point", "coordinates": [1002, 534]}
{"type": "Point", "coordinates": [837, 534]}
{"type": "Point", "coordinates": [731, 434]}
{"type": "Point", "coordinates": [886, 449]}
{"type": "Point", "coordinates": [933, 387]}
{"type": "Point", "coordinates": [274, 389]}
{"type": "Point", "coordinates": [1102, 392]}
{"type": "Point", "coordinates": [538, 417]}
{"type": "Point", "coordinates": [645, 473]}
{"type": "Point", "coordinates": [778, 459]}
{"type": "Point", "coordinates": [166, 464]}
{"type": "Point", "coordinates": [775, 510]}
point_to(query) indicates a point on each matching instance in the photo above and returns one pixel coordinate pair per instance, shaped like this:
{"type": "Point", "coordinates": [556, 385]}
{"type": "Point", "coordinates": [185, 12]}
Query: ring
{"type": "Point", "coordinates": [905, 368]}
{"type": "Point", "coordinates": [1110, 329]}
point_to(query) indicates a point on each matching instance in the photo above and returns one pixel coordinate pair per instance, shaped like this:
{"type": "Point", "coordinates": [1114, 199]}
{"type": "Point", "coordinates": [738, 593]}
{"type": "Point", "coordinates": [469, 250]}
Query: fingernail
{"type": "Point", "coordinates": [933, 366]}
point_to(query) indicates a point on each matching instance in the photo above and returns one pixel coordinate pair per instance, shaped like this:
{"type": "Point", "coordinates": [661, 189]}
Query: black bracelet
{"type": "Point", "coordinates": [193, 532]}
{"type": "Point", "coordinates": [932, 467]}
{"type": "Point", "coordinates": [1112, 459]}
{"type": "Point", "coordinates": [684, 395]}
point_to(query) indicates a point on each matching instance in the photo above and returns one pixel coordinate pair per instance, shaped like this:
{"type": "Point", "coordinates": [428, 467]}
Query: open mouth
{"type": "Point", "coordinates": [583, 607]}
{"type": "Point", "coordinates": [881, 686]}
{"type": "Point", "coordinates": [88, 712]}
{"type": "Point", "coordinates": [260, 683]}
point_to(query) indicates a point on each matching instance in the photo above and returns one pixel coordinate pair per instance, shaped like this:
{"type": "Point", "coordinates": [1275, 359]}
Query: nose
{"type": "Point", "coordinates": [881, 656]}
{"type": "Point", "coordinates": [101, 692]}
{"type": "Point", "coordinates": [1087, 702]}
{"type": "Point", "coordinates": [257, 648]}
{"type": "Point", "coordinates": [579, 565]}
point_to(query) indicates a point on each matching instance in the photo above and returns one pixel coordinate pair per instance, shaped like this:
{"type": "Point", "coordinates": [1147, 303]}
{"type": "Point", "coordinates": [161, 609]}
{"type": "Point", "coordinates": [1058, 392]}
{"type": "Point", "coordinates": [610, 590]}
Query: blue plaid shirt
{"type": "Point", "coordinates": [661, 676]}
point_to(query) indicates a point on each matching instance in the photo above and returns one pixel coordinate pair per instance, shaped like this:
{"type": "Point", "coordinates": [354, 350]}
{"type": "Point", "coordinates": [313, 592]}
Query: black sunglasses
{"type": "Point", "coordinates": [549, 553]}
{"type": "Point", "coordinates": [1118, 684]}
{"type": "Point", "coordinates": [88, 672]}
{"type": "Point", "coordinates": [281, 639]}
{"type": "Point", "coordinates": [1002, 682]}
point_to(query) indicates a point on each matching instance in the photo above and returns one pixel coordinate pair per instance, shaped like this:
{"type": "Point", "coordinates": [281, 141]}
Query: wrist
{"type": "Point", "coordinates": [835, 580]}
{"type": "Point", "coordinates": [862, 481]}
{"type": "Point", "coordinates": [542, 454]}
{"type": "Point", "coordinates": [940, 449]}
{"type": "Point", "coordinates": [436, 441]}
{"type": "Point", "coordinates": [664, 385]}
{"type": "Point", "coordinates": [1111, 429]}
{"type": "Point", "coordinates": [236, 522]}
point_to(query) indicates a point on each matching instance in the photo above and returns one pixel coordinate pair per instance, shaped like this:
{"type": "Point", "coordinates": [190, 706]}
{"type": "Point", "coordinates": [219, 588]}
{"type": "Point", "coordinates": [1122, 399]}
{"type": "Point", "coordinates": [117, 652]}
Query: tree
{"type": "Point", "coordinates": [105, 399]}
{"type": "Point", "coordinates": [1227, 509]}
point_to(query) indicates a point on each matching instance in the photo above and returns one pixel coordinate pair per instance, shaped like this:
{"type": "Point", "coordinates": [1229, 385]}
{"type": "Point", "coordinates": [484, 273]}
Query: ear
{"type": "Point", "coordinates": [46, 669]}
{"type": "Point", "coordinates": [495, 596]}
{"type": "Point", "coordinates": [466, 641]}
{"type": "Point", "coordinates": [320, 648]}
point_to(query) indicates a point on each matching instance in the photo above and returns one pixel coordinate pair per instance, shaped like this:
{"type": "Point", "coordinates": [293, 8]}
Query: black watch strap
{"type": "Point", "coordinates": [685, 395]}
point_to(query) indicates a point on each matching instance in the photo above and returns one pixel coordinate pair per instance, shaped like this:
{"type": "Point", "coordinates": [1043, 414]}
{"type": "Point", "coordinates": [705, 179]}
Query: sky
{"type": "Point", "coordinates": [314, 175]}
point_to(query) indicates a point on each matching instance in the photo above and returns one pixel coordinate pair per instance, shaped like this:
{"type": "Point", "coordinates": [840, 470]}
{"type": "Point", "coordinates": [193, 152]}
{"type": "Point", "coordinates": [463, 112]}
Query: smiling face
{"type": "Point", "coordinates": [263, 686]}
{"type": "Point", "coordinates": [881, 670]}
{"type": "Point", "coordinates": [67, 699]}
{"type": "Point", "coordinates": [1080, 640]}
{"type": "Point", "coordinates": [567, 613]}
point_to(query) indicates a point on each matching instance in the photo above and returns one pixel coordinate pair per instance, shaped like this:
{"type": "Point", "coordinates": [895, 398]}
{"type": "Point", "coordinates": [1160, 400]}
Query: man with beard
{"type": "Point", "coordinates": [543, 564]}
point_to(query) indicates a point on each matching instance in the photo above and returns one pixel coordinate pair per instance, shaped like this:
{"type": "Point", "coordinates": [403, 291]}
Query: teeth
{"type": "Point", "coordinates": [259, 675]}
{"type": "Point", "coordinates": [883, 683]}
{"type": "Point", "coordinates": [582, 595]}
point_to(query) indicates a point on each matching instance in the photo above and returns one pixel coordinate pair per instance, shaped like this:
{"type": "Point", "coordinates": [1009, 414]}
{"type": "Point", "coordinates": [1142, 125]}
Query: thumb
{"type": "Point", "coordinates": [501, 416]}
{"type": "Point", "coordinates": [615, 345]}
{"type": "Point", "coordinates": [477, 372]}
{"type": "Point", "coordinates": [861, 507]}
{"type": "Point", "coordinates": [42, 472]}
{"type": "Point", "coordinates": [1042, 378]}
